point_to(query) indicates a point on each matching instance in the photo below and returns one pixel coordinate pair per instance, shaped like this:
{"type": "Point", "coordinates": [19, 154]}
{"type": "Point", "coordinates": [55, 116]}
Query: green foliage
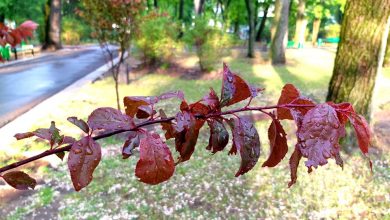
{"type": "Point", "coordinates": [156, 38]}
{"type": "Point", "coordinates": [332, 31]}
{"type": "Point", "coordinates": [208, 41]}
{"type": "Point", "coordinates": [74, 31]}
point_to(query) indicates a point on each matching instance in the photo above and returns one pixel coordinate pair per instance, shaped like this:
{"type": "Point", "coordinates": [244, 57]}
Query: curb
{"type": "Point", "coordinates": [25, 121]}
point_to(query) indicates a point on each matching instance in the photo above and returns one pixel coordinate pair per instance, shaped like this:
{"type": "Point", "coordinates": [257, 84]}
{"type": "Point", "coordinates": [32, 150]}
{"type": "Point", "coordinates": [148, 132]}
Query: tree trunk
{"type": "Point", "coordinates": [199, 4]}
{"type": "Point", "coordinates": [360, 53]}
{"type": "Point", "coordinates": [275, 22]}
{"type": "Point", "coordinates": [262, 23]}
{"type": "Point", "coordinates": [387, 56]}
{"type": "Point", "coordinates": [53, 33]}
{"type": "Point", "coordinates": [181, 10]}
{"type": "Point", "coordinates": [181, 18]}
{"type": "Point", "coordinates": [251, 24]}
{"type": "Point", "coordinates": [316, 29]}
{"type": "Point", "coordinates": [155, 3]}
{"type": "Point", "coordinates": [279, 40]}
{"type": "Point", "coordinates": [300, 24]}
{"type": "Point", "coordinates": [2, 18]}
{"type": "Point", "coordinates": [237, 28]}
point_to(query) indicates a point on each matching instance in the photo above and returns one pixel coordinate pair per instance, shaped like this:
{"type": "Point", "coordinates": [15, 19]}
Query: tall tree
{"type": "Point", "coordinates": [360, 53]}
{"type": "Point", "coordinates": [301, 23]}
{"type": "Point", "coordinates": [53, 30]}
{"type": "Point", "coordinates": [251, 23]}
{"type": "Point", "coordinates": [387, 56]}
{"type": "Point", "coordinates": [267, 5]}
{"type": "Point", "coordinates": [279, 35]}
{"type": "Point", "coordinates": [199, 6]}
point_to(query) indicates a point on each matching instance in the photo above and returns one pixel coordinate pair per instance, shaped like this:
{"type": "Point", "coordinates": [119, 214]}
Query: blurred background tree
{"type": "Point", "coordinates": [360, 53]}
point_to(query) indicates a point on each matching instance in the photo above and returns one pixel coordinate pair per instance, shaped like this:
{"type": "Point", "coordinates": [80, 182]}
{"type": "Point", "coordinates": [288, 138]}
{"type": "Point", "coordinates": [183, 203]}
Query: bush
{"type": "Point", "coordinates": [156, 38]}
{"type": "Point", "coordinates": [74, 31]}
{"type": "Point", "coordinates": [332, 31]}
{"type": "Point", "coordinates": [208, 41]}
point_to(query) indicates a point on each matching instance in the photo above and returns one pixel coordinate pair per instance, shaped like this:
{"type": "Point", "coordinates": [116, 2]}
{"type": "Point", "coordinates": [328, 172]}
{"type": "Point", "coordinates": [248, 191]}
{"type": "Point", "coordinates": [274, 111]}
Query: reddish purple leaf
{"type": "Point", "coordinates": [67, 140]}
{"type": "Point", "coordinates": [234, 88]}
{"type": "Point", "coordinates": [145, 111]}
{"type": "Point", "coordinates": [319, 135]}
{"type": "Point", "coordinates": [219, 136]}
{"type": "Point", "coordinates": [294, 162]}
{"type": "Point", "coordinates": [247, 142]}
{"type": "Point", "coordinates": [343, 111]}
{"type": "Point", "coordinates": [131, 143]}
{"type": "Point", "coordinates": [167, 126]}
{"type": "Point", "coordinates": [362, 131]}
{"type": "Point", "coordinates": [20, 136]}
{"type": "Point", "coordinates": [212, 100]}
{"type": "Point", "coordinates": [199, 108]}
{"type": "Point", "coordinates": [278, 144]}
{"type": "Point", "coordinates": [170, 95]}
{"type": "Point", "coordinates": [19, 180]}
{"type": "Point", "coordinates": [52, 135]}
{"type": "Point", "coordinates": [109, 119]}
{"type": "Point", "coordinates": [291, 95]}
{"type": "Point", "coordinates": [186, 134]}
{"type": "Point", "coordinates": [29, 25]}
{"type": "Point", "coordinates": [83, 159]}
{"type": "Point", "coordinates": [155, 164]}
{"type": "Point", "coordinates": [132, 103]}
{"type": "Point", "coordinates": [346, 112]}
{"type": "Point", "coordinates": [79, 123]}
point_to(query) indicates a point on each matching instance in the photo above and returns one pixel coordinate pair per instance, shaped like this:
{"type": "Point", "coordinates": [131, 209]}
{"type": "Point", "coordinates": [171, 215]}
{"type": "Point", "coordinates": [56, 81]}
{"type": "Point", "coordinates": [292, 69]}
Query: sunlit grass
{"type": "Point", "coordinates": [205, 186]}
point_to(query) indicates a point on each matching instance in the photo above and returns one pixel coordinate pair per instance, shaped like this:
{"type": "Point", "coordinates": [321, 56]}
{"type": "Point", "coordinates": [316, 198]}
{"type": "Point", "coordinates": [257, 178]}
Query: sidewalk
{"type": "Point", "coordinates": [25, 121]}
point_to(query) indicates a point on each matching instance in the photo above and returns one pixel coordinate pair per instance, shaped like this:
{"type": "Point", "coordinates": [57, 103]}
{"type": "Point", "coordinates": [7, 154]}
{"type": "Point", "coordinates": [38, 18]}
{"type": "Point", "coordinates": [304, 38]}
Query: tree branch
{"type": "Point", "coordinates": [144, 124]}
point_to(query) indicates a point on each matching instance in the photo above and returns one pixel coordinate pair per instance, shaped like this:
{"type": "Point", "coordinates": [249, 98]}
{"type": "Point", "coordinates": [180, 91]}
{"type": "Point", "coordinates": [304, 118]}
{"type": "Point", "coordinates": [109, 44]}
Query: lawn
{"type": "Point", "coordinates": [205, 186]}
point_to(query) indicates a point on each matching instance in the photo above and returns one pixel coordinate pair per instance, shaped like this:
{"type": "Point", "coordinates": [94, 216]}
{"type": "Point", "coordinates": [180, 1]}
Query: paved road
{"type": "Point", "coordinates": [26, 84]}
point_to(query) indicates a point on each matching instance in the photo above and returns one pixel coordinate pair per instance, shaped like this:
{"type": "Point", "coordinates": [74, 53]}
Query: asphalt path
{"type": "Point", "coordinates": [26, 84]}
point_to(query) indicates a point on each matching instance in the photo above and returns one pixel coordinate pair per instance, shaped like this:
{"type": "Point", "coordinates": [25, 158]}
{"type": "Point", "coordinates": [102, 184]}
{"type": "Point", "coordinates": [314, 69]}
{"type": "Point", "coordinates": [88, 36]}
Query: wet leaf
{"type": "Point", "coordinates": [130, 144]}
{"type": "Point", "coordinates": [186, 134]}
{"type": "Point", "coordinates": [170, 95]}
{"type": "Point", "coordinates": [67, 140]}
{"type": "Point", "coordinates": [199, 108]}
{"type": "Point", "coordinates": [167, 126]}
{"type": "Point", "coordinates": [20, 136]}
{"type": "Point", "coordinates": [234, 88]}
{"type": "Point", "coordinates": [246, 141]}
{"type": "Point", "coordinates": [291, 95]}
{"type": "Point", "coordinates": [109, 119]}
{"type": "Point", "coordinates": [294, 162]}
{"type": "Point", "coordinates": [319, 135]}
{"type": "Point", "coordinates": [156, 164]}
{"type": "Point", "coordinates": [278, 144]}
{"type": "Point", "coordinates": [132, 103]}
{"type": "Point", "coordinates": [52, 135]}
{"type": "Point", "coordinates": [83, 159]}
{"type": "Point", "coordinates": [79, 123]}
{"type": "Point", "coordinates": [219, 136]}
{"type": "Point", "coordinates": [362, 131]}
{"type": "Point", "coordinates": [212, 100]}
{"type": "Point", "coordinates": [346, 112]}
{"type": "Point", "coordinates": [19, 180]}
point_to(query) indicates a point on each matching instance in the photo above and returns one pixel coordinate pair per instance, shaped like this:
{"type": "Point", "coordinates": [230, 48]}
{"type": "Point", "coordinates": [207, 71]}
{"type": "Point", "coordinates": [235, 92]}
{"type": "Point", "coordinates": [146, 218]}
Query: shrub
{"type": "Point", "coordinates": [156, 38]}
{"type": "Point", "coordinates": [208, 41]}
{"type": "Point", "coordinates": [332, 31]}
{"type": "Point", "coordinates": [74, 31]}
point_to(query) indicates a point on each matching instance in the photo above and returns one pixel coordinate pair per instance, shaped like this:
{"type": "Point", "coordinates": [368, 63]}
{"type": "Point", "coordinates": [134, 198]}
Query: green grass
{"type": "Point", "coordinates": [205, 186]}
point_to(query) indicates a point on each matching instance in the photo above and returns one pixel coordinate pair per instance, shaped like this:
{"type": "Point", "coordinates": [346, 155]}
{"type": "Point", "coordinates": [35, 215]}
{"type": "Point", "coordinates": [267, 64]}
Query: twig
{"type": "Point", "coordinates": [143, 124]}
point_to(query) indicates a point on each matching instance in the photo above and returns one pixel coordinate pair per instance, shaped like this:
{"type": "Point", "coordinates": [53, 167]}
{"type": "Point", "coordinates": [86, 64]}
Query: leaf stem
{"type": "Point", "coordinates": [144, 124]}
